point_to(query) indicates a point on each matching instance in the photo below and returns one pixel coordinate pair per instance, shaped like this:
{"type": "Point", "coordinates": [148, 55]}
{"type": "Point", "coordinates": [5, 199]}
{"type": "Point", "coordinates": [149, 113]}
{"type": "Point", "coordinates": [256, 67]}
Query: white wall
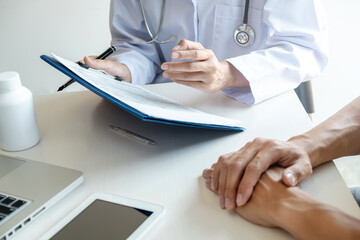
{"type": "Point", "coordinates": [69, 28]}
{"type": "Point", "coordinates": [340, 82]}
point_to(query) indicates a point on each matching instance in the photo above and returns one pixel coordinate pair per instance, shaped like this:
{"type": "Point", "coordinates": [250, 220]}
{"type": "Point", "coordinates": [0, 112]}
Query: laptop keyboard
{"type": "Point", "coordinates": [9, 205]}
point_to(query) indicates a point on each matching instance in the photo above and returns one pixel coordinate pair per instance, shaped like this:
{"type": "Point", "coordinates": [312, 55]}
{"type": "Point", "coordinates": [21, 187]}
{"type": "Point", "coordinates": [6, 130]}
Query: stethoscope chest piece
{"type": "Point", "coordinates": [244, 35]}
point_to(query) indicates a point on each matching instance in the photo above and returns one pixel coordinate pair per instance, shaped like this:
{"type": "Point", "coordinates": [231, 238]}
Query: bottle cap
{"type": "Point", "coordinates": [9, 80]}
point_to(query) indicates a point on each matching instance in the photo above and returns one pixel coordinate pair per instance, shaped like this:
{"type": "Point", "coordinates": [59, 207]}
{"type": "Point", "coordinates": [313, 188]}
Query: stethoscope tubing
{"type": "Point", "coordinates": [155, 38]}
{"type": "Point", "coordinates": [243, 30]}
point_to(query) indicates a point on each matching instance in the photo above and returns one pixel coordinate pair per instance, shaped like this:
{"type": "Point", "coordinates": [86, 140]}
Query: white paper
{"type": "Point", "coordinates": [144, 100]}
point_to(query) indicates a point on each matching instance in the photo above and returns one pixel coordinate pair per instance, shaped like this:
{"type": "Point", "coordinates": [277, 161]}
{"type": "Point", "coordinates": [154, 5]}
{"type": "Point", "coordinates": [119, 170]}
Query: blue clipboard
{"type": "Point", "coordinates": [53, 62]}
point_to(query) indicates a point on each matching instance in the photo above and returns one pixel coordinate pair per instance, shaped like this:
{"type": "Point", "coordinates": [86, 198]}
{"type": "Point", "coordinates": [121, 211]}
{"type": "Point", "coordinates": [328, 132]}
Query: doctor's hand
{"type": "Point", "coordinates": [203, 71]}
{"type": "Point", "coordinates": [235, 174]}
{"type": "Point", "coordinates": [111, 67]}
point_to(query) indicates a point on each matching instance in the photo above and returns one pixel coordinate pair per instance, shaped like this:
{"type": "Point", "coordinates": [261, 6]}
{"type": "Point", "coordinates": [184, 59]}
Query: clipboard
{"type": "Point", "coordinates": [132, 110]}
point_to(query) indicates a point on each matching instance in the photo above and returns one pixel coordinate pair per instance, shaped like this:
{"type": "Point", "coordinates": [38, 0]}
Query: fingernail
{"type": "Point", "coordinates": [175, 55]}
{"type": "Point", "coordinates": [228, 204]}
{"type": "Point", "coordinates": [291, 178]}
{"type": "Point", "coordinates": [165, 75]}
{"type": "Point", "coordinates": [164, 67]}
{"type": "Point", "coordinates": [222, 202]}
{"type": "Point", "coordinates": [177, 47]}
{"type": "Point", "coordinates": [239, 200]}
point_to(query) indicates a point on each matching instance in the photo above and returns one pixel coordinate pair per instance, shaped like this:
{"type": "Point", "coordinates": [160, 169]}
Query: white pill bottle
{"type": "Point", "coordinates": [18, 124]}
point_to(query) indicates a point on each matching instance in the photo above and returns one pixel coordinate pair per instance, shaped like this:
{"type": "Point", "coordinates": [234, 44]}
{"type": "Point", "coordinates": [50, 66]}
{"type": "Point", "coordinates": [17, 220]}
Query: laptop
{"type": "Point", "coordinates": [28, 188]}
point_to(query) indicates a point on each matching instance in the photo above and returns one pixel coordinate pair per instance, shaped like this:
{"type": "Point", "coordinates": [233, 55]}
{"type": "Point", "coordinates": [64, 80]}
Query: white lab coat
{"type": "Point", "coordinates": [290, 44]}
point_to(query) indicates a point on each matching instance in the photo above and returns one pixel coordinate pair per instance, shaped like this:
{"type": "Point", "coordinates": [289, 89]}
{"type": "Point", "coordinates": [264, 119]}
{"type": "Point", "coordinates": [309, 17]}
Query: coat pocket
{"type": "Point", "coordinates": [227, 19]}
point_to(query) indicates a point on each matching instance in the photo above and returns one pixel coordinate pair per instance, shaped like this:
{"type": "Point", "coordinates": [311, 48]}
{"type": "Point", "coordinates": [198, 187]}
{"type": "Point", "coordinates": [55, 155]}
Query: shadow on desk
{"type": "Point", "coordinates": [167, 137]}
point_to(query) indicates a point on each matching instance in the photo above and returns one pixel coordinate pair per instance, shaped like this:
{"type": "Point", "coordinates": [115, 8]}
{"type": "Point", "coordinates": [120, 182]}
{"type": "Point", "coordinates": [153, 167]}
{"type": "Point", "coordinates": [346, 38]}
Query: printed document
{"type": "Point", "coordinates": [145, 101]}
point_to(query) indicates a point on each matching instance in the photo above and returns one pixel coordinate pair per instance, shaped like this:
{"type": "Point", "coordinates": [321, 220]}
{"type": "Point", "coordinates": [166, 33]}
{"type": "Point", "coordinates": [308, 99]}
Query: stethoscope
{"type": "Point", "coordinates": [244, 35]}
{"type": "Point", "coordinates": [155, 38]}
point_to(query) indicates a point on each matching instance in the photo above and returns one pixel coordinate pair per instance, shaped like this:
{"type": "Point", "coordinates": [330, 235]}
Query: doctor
{"type": "Point", "coordinates": [251, 50]}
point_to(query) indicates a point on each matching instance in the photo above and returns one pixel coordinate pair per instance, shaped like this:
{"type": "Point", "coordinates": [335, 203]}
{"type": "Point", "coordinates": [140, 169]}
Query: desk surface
{"type": "Point", "coordinates": [74, 133]}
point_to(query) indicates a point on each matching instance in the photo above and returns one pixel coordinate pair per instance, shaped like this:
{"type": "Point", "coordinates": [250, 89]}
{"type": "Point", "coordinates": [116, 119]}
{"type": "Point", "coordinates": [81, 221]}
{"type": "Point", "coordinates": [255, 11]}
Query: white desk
{"type": "Point", "coordinates": [74, 133]}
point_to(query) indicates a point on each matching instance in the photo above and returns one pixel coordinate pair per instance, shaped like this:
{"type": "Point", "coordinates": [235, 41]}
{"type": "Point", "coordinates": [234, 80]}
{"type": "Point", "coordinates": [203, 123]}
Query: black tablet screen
{"type": "Point", "coordinates": [103, 220]}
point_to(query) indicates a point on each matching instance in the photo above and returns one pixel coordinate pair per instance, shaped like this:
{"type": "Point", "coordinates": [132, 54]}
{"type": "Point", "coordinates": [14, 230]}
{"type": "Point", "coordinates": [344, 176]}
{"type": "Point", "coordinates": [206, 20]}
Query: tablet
{"type": "Point", "coordinates": [105, 216]}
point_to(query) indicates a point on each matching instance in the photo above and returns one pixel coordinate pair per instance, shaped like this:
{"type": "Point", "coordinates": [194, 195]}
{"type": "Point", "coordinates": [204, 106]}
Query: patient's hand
{"type": "Point", "coordinates": [235, 174]}
{"type": "Point", "coordinates": [268, 195]}
{"type": "Point", "coordinates": [272, 203]}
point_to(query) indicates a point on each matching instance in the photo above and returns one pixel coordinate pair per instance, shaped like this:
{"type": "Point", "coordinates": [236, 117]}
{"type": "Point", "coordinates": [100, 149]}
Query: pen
{"type": "Point", "coordinates": [132, 135]}
{"type": "Point", "coordinates": [104, 55]}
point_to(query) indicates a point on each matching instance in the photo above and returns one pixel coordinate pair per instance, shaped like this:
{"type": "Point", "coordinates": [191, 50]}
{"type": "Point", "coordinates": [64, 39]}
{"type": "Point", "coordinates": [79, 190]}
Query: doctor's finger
{"type": "Point", "coordinates": [198, 55]}
{"type": "Point", "coordinates": [111, 67]}
{"type": "Point", "coordinates": [105, 65]}
{"type": "Point", "coordinates": [186, 76]}
{"type": "Point", "coordinates": [196, 66]}
{"type": "Point", "coordinates": [185, 44]}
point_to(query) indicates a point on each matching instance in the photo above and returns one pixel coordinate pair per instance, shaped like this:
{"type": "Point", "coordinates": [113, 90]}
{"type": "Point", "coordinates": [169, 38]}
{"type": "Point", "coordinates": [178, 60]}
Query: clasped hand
{"type": "Point", "coordinates": [236, 174]}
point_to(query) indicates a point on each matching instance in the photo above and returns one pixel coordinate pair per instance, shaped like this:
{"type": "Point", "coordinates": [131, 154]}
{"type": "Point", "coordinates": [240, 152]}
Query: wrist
{"type": "Point", "coordinates": [125, 73]}
{"type": "Point", "coordinates": [232, 76]}
{"type": "Point", "coordinates": [309, 146]}
{"type": "Point", "coordinates": [297, 212]}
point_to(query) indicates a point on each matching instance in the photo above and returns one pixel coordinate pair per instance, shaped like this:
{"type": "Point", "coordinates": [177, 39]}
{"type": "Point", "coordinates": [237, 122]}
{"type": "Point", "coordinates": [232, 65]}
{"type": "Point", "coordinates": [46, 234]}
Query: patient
{"type": "Point", "coordinates": [275, 202]}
